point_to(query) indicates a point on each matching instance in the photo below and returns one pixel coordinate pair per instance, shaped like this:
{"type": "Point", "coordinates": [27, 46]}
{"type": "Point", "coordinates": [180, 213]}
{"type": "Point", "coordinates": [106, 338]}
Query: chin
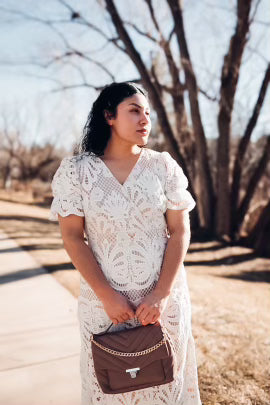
{"type": "Point", "coordinates": [143, 141]}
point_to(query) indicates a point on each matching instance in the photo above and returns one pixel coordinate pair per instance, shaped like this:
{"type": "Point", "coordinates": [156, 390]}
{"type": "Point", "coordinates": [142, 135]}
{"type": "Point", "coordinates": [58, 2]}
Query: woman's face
{"type": "Point", "coordinates": [133, 115]}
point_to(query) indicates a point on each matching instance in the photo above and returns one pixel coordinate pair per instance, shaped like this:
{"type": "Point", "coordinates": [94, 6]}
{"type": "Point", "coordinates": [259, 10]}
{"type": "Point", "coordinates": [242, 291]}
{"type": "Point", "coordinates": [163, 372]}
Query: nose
{"type": "Point", "coordinates": [145, 117]}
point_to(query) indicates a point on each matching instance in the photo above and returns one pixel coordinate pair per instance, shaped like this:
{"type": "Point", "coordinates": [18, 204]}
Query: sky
{"type": "Point", "coordinates": [29, 99]}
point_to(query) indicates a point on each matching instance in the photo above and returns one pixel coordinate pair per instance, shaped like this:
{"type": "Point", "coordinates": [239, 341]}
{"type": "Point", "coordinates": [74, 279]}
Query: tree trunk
{"type": "Point", "coordinates": [229, 80]}
{"type": "Point", "coordinates": [259, 236]}
{"type": "Point", "coordinates": [206, 193]}
{"type": "Point", "coordinates": [251, 187]}
{"type": "Point", "coordinates": [242, 147]}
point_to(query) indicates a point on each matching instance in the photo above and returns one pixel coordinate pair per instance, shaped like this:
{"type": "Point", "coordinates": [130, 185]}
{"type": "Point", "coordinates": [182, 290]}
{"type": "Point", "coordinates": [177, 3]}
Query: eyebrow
{"type": "Point", "coordinates": [137, 105]}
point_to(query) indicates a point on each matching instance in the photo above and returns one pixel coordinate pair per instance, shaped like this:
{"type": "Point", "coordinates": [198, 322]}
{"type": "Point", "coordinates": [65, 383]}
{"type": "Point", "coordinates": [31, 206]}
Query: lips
{"type": "Point", "coordinates": [143, 131]}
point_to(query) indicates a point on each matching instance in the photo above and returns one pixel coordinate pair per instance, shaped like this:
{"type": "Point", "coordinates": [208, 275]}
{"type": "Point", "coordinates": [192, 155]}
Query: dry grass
{"type": "Point", "coordinates": [230, 304]}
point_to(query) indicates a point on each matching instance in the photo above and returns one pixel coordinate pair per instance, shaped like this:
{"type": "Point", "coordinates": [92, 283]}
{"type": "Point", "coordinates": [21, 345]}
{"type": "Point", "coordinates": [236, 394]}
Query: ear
{"type": "Point", "coordinates": [108, 116]}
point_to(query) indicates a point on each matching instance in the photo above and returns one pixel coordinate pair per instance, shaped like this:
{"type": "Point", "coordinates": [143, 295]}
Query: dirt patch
{"type": "Point", "coordinates": [229, 289]}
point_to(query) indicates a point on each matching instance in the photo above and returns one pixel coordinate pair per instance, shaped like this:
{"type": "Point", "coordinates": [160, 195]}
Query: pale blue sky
{"type": "Point", "coordinates": [60, 116]}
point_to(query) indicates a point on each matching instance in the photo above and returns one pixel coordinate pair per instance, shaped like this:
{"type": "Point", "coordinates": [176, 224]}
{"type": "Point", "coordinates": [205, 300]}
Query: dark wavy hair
{"type": "Point", "coordinates": [97, 131]}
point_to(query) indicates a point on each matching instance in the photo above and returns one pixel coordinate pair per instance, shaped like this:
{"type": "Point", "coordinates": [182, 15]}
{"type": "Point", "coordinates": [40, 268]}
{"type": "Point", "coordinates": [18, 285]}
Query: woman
{"type": "Point", "coordinates": [133, 206]}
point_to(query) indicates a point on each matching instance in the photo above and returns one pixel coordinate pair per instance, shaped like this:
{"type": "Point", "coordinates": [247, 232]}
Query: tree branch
{"type": "Point", "coordinates": [145, 34]}
{"type": "Point", "coordinates": [211, 98]}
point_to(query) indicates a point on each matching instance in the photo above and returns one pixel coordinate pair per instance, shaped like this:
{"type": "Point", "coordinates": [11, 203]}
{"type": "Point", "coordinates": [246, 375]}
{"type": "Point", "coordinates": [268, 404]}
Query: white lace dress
{"type": "Point", "coordinates": [126, 229]}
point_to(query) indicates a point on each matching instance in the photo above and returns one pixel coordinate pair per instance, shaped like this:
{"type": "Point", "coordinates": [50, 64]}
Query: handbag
{"type": "Point", "coordinates": [132, 359]}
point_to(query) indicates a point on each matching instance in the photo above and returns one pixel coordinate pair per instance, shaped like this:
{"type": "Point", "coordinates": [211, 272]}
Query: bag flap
{"type": "Point", "coordinates": [131, 340]}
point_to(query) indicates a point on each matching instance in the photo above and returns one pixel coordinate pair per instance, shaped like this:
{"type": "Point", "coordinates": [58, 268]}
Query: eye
{"type": "Point", "coordinates": [136, 110]}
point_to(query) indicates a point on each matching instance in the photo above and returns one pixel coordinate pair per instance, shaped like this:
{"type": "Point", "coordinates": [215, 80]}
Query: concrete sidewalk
{"type": "Point", "coordinates": [39, 336]}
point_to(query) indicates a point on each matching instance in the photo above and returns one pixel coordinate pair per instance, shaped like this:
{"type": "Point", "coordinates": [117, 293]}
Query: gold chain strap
{"type": "Point", "coordinates": [115, 353]}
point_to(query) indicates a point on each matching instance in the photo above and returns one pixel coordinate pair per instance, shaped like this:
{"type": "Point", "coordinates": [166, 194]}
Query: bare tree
{"type": "Point", "coordinates": [28, 161]}
{"type": "Point", "coordinates": [219, 209]}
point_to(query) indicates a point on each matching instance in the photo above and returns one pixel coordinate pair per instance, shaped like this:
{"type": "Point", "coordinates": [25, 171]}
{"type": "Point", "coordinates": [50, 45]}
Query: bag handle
{"type": "Point", "coordinates": [108, 328]}
{"type": "Point", "coordinates": [123, 322]}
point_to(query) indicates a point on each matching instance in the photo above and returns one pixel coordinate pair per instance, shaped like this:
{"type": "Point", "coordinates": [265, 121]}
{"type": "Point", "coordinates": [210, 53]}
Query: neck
{"type": "Point", "coordinates": [118, 152]}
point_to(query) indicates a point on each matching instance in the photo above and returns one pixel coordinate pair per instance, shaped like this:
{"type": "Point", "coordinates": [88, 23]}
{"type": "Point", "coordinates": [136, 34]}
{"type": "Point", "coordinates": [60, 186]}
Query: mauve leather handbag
{"type": "Point", "coordinates": [132, 359]}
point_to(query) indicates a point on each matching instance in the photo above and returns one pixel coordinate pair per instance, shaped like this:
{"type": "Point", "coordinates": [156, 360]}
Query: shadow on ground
{"type": "Point", "coordinates": [261, 276]}
{"type": "Point", "coordinates": [27, 273]}
{"type": "Point", "coordinates": [230, 259]}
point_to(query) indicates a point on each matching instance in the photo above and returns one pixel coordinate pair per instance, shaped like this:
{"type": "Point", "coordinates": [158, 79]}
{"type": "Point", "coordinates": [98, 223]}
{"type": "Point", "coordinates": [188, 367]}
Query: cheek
{"type": "Point", "coordinates": [130, 120]}
{"type": "Point", "coordinates": [134, 117]}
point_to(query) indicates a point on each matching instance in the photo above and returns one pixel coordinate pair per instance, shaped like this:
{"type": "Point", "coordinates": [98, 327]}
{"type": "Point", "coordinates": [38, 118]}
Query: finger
{"type": "Point", "coordinates": [148, 319]}
{"type": "Point", "coordinates": [121, 318]}
{"type": "Point", "coordinates": [154, 319]}
{"type": "Point", "coordinates": [154, 315]}
{"type": "Point", "coordinates": [144, 316]}
{"type": "Point", "coordinates": [125, 316]}
{"type": "Point", "coordinates": [131, 314]}
{"type": "Point", "coordinates": [114, 321]}
{"type": "Point", "coordinates": [142, 313]}
{"type": "Point", "coordinates": [139, 310]}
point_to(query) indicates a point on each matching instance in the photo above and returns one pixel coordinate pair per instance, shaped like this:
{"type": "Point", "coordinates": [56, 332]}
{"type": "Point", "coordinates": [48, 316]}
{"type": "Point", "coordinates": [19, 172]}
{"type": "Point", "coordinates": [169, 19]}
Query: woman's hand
{"type": "Point", "coordinates": [117, 307]}
{"type": "Point", "coordinates": [151, 308]}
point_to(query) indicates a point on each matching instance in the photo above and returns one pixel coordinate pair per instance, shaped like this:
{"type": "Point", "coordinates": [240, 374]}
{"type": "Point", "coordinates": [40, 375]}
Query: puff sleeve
{"type": "Point", "coordinates": [176, 183]}
{"type": "Point", "coordinates": [67, 197]}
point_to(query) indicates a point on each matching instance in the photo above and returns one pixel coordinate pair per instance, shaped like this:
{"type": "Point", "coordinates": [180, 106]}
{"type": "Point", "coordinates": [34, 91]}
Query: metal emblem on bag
{"type": "Point", "coordinates": [133, 371]}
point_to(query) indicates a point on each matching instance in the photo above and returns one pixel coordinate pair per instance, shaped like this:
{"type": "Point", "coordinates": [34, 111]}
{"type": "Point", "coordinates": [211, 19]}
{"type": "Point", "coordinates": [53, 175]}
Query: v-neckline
{"type": "Point", "coordinates": [130, 173]}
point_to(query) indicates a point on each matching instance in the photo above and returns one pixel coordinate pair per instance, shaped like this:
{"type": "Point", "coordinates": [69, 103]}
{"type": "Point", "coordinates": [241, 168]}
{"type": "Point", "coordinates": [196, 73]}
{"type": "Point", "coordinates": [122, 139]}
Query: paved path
{"type": "Point", "coordinates": [39, 333]}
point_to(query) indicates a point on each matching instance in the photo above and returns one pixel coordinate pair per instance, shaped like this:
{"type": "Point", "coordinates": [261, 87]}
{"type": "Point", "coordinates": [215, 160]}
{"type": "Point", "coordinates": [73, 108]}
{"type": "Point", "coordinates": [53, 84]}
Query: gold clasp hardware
{"type": "Point", "coordinates": [133, 372]}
